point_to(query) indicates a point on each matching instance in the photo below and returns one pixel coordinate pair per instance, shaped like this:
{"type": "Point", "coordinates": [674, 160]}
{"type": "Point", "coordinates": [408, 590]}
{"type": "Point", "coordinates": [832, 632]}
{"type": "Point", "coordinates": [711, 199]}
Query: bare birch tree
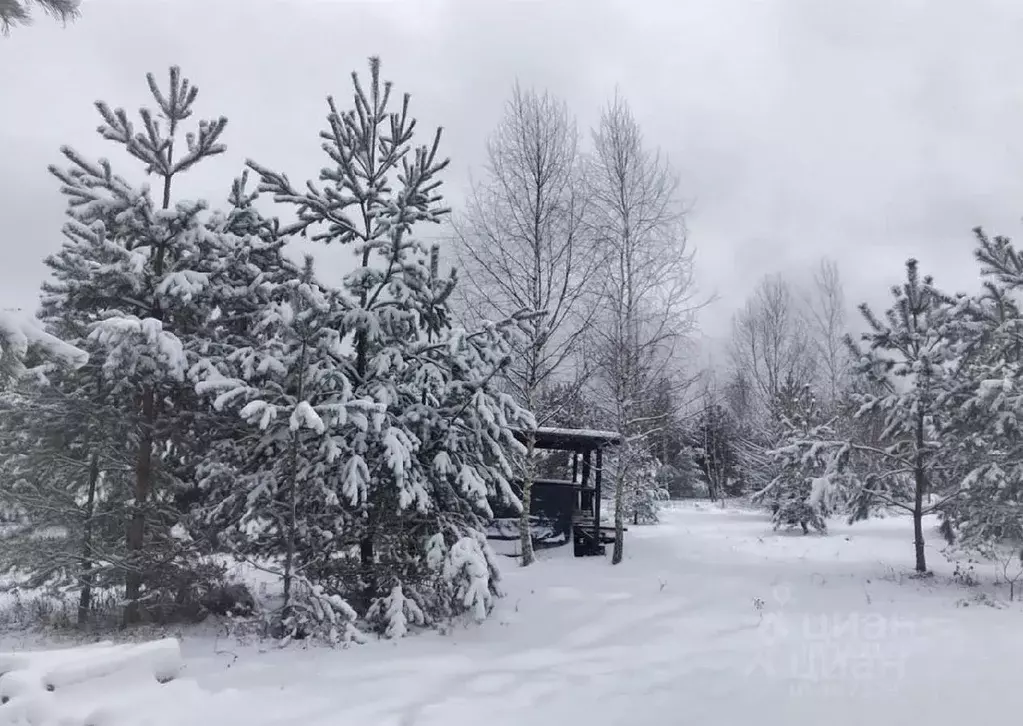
{"type": "Point", "coordinates": [647, 282]}
{"type": "Point", "coordinates": [522, 244]}
{"type": "Point", "coordinates": [771, 350]}
{"type": "Point", "coordinates": [770, 340]}
{"type": "Point", "coordinates": [826, 319]}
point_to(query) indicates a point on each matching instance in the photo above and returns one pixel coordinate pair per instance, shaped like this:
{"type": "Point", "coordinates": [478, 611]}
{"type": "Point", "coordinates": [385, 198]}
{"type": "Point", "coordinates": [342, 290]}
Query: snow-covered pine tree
{"type": "Point", "coordinates": [800, 494]}
{"type": "Point", "coordinates": [130, 272]}
{"type": "Point", "coordinates": [283, 491]}
{"type": "Point", "coordinates": [461, 426]}
{"type": "Point", "coordinates": [21, 336]}
{"type": "Point", "coordinates": [442, 445]}
{"type": "Point", "coordinates": [644, 490]}
{"type": "Point", "coordinates": [57, 473]}
{"type": "Point", "coordinates": [65, 483]}
{"type": "Point", "coordinates": [867, 464]}
{"type": "Point", "coordinates": [988, 404]}
{"type": "Point", "coordinates": [908, 366]}
{"type": "Point", "coordinates": [299, 480]}
{"type": "Point", "coordinates": [911, 356]}
{"type": "Point", "coordinates": [18, 12]}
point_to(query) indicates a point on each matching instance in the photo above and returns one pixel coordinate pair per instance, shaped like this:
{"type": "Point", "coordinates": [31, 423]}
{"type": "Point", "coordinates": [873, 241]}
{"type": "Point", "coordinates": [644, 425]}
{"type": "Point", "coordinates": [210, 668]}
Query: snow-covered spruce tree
{"type": "Point", "coordinates": [426, 467]}
{"type": "Point", "coordinates": [909, 364]}
{"type": "Point", "coordinates": [130, 272]}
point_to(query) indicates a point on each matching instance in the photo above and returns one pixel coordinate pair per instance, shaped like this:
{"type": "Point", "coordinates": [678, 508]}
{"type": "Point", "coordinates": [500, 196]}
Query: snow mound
{"type": "Point", "coordinates": [98, 685]}
{"type": "Point", "coordinates": [135, 684]}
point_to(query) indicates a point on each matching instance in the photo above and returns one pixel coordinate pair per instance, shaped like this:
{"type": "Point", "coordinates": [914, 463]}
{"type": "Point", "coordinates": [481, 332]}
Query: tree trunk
{"type": "Point", "coordinates": [619, 547]}
{"type": "Point", "coordinates": [525, 531]}
{"type": "Point", "coordinates": [918, 541]}
{"type": "Point", "coordinates": [136, 534]}
{"type": "Point", "coordinates": [137, 527]}
{"type": "Point", "coordinates": [367, 544]}
{"type": "Point", "coordinates": [918, 531]}
{"type": "Point", "coordinates": [920, 482]}
{"type": "Point", "coordinates": [710, 464]}
{"type": "Point", "coordinates": [85, 596]}
{"type": "Point", "coordinates": [290, 528]}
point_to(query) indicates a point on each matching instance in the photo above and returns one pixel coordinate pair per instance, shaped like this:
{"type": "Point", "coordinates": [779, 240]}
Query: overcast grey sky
{"type": "Point", "coordinates": [866, 131]}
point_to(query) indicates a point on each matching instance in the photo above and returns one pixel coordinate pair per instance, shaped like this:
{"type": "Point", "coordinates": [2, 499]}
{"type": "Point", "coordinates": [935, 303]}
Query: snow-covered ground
{"type": "Point", "coordinates": [712, 619]}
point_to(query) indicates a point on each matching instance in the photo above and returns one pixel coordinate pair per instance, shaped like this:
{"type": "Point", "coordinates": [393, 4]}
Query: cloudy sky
{"type": "Point", "coordinates": [864, 131]}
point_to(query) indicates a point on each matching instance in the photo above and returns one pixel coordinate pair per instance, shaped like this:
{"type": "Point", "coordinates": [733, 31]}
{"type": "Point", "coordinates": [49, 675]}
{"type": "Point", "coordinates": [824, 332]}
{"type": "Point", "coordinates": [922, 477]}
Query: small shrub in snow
{"type": "Point", "coordinates": [467, 572]}
{"type": "Point", "coordinates": [395, 614]}
{"type": "Point", "coordinates": [229, 599]}
{"type": "Point", "coordinates": [804, 492]}
{"type": "Point", "coordinates": [644, 491]}
{"type": "Point", "coordinates": [315, 613]}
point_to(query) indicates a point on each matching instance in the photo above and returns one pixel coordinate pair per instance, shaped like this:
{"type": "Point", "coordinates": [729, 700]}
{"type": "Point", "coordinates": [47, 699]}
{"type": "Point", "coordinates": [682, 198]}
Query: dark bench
{"type": "Point", "coordinates": [582, 536]}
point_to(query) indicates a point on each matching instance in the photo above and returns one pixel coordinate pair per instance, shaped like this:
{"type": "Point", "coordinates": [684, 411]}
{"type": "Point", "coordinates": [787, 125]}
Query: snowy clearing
{"type": "Point", "coordinates": [712, 619]}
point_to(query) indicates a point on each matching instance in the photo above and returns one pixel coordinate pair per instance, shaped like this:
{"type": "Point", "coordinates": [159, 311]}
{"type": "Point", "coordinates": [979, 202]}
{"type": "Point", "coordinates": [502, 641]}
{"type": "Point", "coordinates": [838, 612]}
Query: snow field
{"type": "Point", "coordinates": [713, 618]}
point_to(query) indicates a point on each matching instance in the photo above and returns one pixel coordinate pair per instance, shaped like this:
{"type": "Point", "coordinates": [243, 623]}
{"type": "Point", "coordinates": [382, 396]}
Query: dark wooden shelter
{"type": "Point", "coordinates": [575, 503]}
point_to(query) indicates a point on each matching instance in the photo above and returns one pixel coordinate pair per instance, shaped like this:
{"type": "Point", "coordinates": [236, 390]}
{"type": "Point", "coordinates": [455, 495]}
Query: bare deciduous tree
{"type": "Point", "coordinates": [18, 12]}
{"type": "Point", "coordinates": [826, 319]}
{"type": "Point", "coordinates": [522, 244]}
{"type": "Point", "coordinates": [647, 308]}
{"type": "Point", "coordinates": [770, 340]}
{"type": "Point", "coordinates": [772, 351]}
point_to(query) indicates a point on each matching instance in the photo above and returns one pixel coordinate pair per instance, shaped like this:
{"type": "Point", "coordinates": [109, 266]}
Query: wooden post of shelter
{"type": "Point", "coordinates": [587, 495]}
{"type": "Point", "coordinates": [596, 495]}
